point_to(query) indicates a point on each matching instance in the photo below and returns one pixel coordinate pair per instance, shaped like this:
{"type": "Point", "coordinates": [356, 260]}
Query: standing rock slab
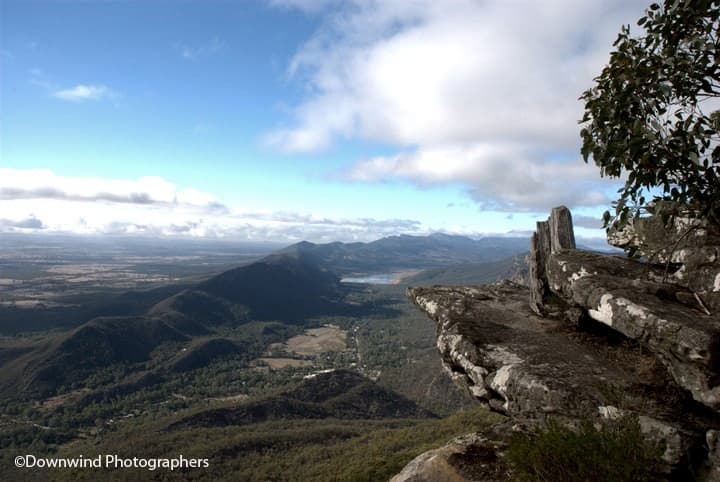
{"type": "Point", "coordinates": [551, 236]}
{"type": "Point", "coordinates": [562, 235]}
{"type": "Point", "coordinates": [539, 252]}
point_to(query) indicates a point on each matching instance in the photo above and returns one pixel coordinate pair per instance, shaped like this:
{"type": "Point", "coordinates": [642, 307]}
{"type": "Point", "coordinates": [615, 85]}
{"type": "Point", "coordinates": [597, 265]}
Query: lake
{"type": "Point", "coordinates": [372, 279]}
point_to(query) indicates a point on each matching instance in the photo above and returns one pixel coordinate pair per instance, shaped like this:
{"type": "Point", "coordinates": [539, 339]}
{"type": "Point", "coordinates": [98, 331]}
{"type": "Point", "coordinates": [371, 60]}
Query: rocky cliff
{"type": "Point", "coordinates": [593, 337]}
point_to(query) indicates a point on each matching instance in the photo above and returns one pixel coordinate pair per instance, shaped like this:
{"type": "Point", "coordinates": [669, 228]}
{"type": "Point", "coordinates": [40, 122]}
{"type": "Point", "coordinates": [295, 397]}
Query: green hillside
{"type": "Point", "coordinates": [339, 394]}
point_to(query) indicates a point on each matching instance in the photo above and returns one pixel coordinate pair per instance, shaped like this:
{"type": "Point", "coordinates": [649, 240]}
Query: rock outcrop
{"type": "Point", "coordinates": [530, 367]}
{"type": "Point", "coordinates": [593, 336]}
{"type": "Point", "coordinates": [469, 457]}
{"type": "Point", "coordinates": [672, 237]}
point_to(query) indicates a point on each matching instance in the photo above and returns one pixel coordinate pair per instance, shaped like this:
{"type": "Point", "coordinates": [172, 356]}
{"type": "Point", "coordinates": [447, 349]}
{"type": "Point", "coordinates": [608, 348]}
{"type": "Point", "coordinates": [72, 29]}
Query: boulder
{"type": "Point", "coordinates": [663, 235]}
{"type": "Point", "coordinates": [476, 456]}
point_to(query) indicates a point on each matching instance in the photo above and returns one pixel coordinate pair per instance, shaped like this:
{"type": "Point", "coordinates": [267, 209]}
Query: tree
{"type": "Point", "coordinates": [653, 112]}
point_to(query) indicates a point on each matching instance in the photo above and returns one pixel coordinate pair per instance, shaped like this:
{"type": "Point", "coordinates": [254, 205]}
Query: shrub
{"type": "Point", "coordinates": [616, 452]}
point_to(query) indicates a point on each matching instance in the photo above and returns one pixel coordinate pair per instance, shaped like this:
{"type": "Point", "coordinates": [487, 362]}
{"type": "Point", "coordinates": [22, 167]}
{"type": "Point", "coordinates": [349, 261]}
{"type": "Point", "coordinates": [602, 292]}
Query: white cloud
{"type": "Point", "coordinates": [35, 199]}
{"type": "Point", "coordinates": [503, 177]}
{"type": "Point", "coordinates": [16, 184]}
{"type": "Point", "coordinates": [195, 53]}
{"type": "Point", "coordinates": [83, 92]}
{"type": "Point", "coordinates": [39, 199]}
{"type": "Point", "coordinates": [482, 93]}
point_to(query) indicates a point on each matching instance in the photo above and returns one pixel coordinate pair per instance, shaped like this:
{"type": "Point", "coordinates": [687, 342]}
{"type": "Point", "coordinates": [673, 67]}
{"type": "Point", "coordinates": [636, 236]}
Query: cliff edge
{"type": "Point", "coordinates": [593, 337]}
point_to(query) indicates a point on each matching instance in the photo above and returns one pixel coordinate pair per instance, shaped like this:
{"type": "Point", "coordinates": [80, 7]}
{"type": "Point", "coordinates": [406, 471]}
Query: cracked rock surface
{"type": "Point", "coordinates": [618, 293]}
{"type": "Point", "coordinates": [528, 367]}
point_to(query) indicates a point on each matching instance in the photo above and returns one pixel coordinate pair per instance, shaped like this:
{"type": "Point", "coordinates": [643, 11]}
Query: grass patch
{"type": "Point", "coordinates": [616, 452]}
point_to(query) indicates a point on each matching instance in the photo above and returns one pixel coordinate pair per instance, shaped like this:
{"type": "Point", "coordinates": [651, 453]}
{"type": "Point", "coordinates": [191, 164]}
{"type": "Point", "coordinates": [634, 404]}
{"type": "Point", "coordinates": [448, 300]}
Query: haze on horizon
{"type": "Point", "coordinates": [283, 120]}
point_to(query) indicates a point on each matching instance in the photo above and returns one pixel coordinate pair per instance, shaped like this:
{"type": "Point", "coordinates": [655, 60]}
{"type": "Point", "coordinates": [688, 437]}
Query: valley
{"type": "Point", "coordinates": [228, 354]}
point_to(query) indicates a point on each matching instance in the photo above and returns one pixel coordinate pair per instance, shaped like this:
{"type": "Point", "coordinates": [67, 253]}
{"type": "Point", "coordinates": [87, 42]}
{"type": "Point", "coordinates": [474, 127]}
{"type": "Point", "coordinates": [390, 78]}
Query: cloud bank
{"type": "Point", "coordinates": [30, 222]}
{"type": "Point", "coordinates": [38, 199]}
{"type": "Point", "coordinates": [44, 184]}
{"type": "Point", "coordinates": [479, 93]}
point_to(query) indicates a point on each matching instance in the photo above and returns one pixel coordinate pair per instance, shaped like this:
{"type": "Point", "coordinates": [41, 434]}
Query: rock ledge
{"type": "Point", "coordinates": [594, 336]}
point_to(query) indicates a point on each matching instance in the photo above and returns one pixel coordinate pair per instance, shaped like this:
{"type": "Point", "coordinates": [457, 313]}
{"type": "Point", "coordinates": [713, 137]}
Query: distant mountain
{"type": "Point", "coordinates": [342, 394]}
{"type": "Point", "coordinates": [74, 310]}
{"type": "Point", "coordinates": [514, 268]}
{"type": "Point", "coordinates": [397, 253]}
{"type": "Point", "coordinates": [285, 287]}
{"type": "Point", "coordinates": [288, 286]}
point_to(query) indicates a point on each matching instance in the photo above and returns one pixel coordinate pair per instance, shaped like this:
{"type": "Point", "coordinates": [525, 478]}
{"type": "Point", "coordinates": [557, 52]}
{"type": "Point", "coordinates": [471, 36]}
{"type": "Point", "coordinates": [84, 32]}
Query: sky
{"type": "Point", "coordinates": [283, 120]}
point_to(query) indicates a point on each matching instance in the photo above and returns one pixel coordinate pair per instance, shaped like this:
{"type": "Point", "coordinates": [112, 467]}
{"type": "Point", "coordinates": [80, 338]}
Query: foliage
{"type": "Point", "coordinates": [302, 450]}
{"type": "Point", "coordinates": [615, 452]}
{"type": "Point", "coordinates": [652, 113]}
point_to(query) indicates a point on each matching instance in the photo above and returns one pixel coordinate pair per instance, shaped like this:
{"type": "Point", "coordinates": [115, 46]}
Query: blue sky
{"type": "Point", "coordinates": [297, 119]}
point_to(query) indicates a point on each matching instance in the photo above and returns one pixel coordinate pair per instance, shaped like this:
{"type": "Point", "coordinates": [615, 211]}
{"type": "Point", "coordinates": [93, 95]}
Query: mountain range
{"type": "Point", "coordinates": [290, 286]}
{"type": "Point", "coordinates": [398, 253]}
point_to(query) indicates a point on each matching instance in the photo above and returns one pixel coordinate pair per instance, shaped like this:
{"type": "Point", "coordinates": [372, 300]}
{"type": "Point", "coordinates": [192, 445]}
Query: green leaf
{"type": "Point", "coordinates": [643, 114]}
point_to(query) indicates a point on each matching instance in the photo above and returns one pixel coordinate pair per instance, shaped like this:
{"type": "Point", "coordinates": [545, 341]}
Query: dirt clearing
{"type": "Point", "coordinates": [318, 340]}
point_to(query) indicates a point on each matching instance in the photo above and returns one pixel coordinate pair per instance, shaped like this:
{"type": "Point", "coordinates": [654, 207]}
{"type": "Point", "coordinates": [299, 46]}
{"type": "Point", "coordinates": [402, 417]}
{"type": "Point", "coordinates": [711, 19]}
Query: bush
{"type": "Point", "coordinates": [616, 452]}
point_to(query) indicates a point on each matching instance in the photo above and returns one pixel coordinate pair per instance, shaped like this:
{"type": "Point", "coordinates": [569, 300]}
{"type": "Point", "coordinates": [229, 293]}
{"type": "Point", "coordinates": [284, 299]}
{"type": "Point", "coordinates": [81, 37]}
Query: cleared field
{"type": "Point", "coordinates": [318, 340]}
{"type": "Point", "coordinates": [65, 398]}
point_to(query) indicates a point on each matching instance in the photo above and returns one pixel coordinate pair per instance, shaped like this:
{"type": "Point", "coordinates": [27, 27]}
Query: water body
{"type": "Point", "coordinates": [372, 279]}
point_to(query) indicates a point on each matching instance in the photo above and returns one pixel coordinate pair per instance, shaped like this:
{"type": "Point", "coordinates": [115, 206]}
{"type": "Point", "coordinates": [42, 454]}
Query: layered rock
{"type": "Point", "coordinates": [674, 238]}
{"type": "Point", "coordinates": [637, 344]}
{"type": "Point", "coordinates": [530, 367]}
{"type": "Point", "coordinates": [618, 293]}
{"type": "Point", "coordinates": [551, 236]}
